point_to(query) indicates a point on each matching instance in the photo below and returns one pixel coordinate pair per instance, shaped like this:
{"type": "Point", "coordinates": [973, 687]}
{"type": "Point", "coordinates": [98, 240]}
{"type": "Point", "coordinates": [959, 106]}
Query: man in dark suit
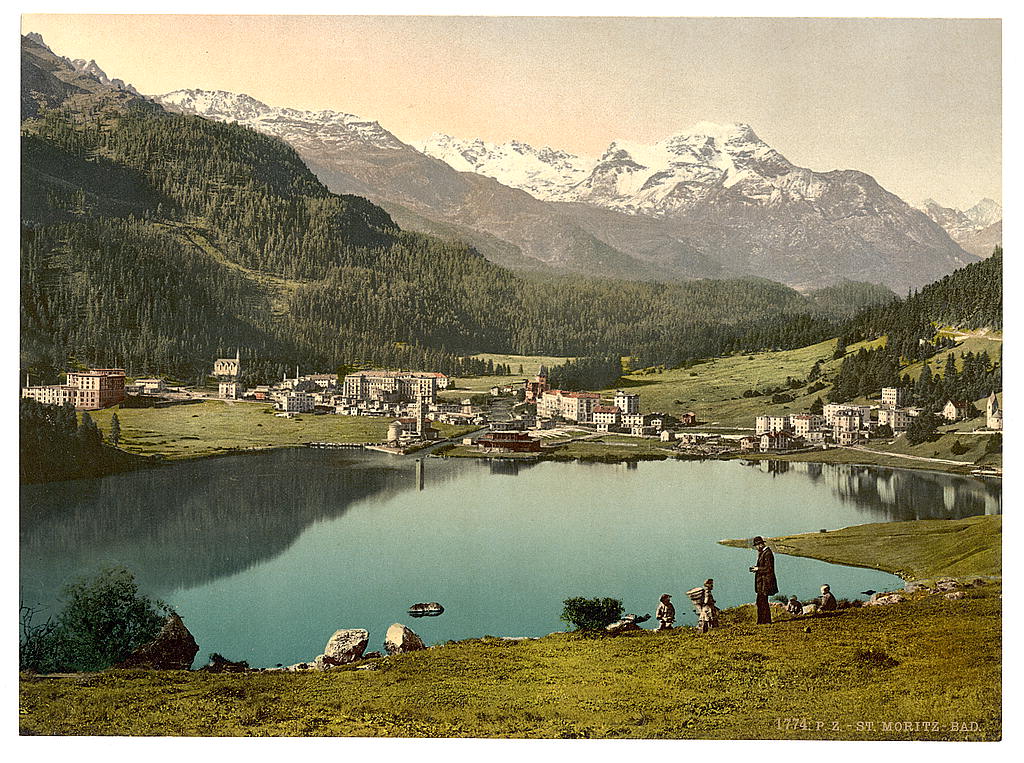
{"type": "Point", "coordinates": [765, 584]}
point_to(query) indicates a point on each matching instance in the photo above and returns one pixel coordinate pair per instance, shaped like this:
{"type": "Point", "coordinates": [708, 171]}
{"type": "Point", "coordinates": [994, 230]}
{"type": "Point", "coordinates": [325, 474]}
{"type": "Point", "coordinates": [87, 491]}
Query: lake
{"type": "Point", "coordinates": [265, 555]}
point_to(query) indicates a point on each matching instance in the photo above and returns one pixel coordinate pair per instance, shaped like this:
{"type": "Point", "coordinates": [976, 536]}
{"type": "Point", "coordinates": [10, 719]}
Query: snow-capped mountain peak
{"type": "Point", "coordinates": [985, 212]}
{"type": "Point", "coordinates": [293, 125]}
{"type": "Point", "coordinates": [542, 172]}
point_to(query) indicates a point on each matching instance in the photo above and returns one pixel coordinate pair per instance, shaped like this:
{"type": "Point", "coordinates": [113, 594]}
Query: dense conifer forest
{"type": "Point", "coordinates": [969, 298]}
{"type": "Point", "coordinates": [54, 445]}
{"type": "Point", "coordinates": [157, 242]}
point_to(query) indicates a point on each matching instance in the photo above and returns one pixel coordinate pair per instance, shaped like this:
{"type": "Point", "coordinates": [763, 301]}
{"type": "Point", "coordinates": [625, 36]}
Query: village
{"type": "Point", "coordinates": [535, 420]}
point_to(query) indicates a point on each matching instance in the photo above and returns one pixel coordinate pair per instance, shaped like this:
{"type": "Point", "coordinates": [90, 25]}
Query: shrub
{"type": "Point", "coordinates": [923, 428]}
{"type": "Point", "coordinates": [104, 619]}
{"type": "Point", "coordinates": [591, 614]}
{"type": "Point", "coordinates": [782, 398]}
{"type": "Point", "coordinates": [958, 448]}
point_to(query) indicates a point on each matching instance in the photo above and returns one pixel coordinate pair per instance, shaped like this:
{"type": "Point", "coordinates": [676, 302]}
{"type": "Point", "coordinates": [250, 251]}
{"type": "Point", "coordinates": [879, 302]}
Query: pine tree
{"type": "Point", "coordinates": [115, 430]}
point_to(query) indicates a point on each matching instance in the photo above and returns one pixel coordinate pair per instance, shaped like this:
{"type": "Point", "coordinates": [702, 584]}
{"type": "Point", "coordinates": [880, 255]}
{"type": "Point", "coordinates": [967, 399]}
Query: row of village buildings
{"type": "Point", "coordinates": [847, 424]}
{"type": "Point", "coordinates": [410, 399]}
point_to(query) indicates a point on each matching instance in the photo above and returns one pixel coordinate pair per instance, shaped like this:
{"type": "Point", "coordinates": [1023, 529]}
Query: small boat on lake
{"type": "Point", "coordinates": [430, 609]}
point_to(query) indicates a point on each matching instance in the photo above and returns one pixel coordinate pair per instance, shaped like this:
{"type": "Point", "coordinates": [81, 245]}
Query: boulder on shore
{"type": "Point", "coordinates": [174, 648]}
{"type": "Point", "coordinates": [400, 639]}
{"type": "Point", "coordinates": [880, 599]}
{"type": "Point", "coordinates": [219, 664]}
{"type": "Point", "coordinates": [622, 626]}
{"type": "Point", "coordinates": [345, 646]}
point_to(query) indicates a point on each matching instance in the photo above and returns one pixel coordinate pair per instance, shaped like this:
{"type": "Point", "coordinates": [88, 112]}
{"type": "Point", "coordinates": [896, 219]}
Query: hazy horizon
{"type": "Point", "coordinates": [914, 103]}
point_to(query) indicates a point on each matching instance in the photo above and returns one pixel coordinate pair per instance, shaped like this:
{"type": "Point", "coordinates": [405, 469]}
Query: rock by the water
{"type": "Point", "coordinates": [914, 587]}
{"type": "Point", "coordinates": [174, 648]}
{"type": "Point", "coordinates": [947, 584]}
{"type": "Point", "coordinates": [400, 639]}
{"type": "Point", "coordinates": [219, 664]}
{"type": "Point", "coordinates": [622, 626]}
{"type": "Point", "coordinates": [880, 599]}
{"type": "Point", "coordinates": [953, 595]}
{"type": "Point", "coordinates": [346, 646]}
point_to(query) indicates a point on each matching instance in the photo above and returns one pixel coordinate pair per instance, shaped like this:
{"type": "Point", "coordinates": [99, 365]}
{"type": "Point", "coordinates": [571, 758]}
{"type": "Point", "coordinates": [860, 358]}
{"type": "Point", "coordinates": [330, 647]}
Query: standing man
{"type": "Point", "coordinates": [765, 584]}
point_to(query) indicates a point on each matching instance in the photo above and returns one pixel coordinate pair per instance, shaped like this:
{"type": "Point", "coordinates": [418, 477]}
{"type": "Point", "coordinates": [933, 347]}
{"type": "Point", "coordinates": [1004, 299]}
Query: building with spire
{"type": "Point", "coordinates": [228, 368]}
{"type": "Point", "coordinates": [993, 413]}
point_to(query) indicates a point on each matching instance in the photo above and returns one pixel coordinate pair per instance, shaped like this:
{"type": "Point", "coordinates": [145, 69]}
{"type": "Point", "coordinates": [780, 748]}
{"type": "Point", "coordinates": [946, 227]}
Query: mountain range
{"type": "Point", "coordinates": [979, 230]}
{"type": "Point", "coordinates": [155, 241]}
{"type": "Point", "coordinates": [712, 201]}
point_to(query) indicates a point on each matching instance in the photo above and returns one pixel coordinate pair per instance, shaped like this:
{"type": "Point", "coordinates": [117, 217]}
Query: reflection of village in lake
{"type": "Point", "coordinates": [190, 523]}
{"type": "Point", "coordinates": [898, 494]}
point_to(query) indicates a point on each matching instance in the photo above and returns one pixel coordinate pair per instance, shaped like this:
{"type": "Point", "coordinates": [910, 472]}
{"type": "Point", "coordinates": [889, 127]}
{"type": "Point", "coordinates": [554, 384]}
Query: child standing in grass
{"type": "Point", "coordinates": [666, 613]}
{"type": "Point", "coordinates": [707, 616]}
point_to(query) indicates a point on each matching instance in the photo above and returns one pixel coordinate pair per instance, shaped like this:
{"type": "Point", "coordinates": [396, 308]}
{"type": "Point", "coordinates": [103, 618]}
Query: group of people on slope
{"type": "Point", "coordinates": [703, 602]}
{"type": "Point", "coordinates": [765, 585]}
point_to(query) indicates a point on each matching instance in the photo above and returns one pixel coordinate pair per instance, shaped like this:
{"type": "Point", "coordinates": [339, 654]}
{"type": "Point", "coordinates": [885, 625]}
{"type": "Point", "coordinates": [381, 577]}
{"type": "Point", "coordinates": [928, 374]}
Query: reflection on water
{"type": "Point", "coordinates": [186, 524]}
{"type": "Point", "coordinates": [897, 494]}
{"type": "Point", "coordinates": [265, 555]}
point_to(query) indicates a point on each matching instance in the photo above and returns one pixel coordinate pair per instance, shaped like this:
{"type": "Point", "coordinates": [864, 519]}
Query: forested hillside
{"type": "Point", "coordinates": [968, 298]}
{"type": "Point", "coordinates": [157, 241]}
{"type": "Point", "coordinates": [922, 328]}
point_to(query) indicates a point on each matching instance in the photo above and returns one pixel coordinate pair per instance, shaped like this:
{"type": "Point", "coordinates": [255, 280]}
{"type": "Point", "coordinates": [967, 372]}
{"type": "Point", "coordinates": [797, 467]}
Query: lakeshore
{"type": "Point", "coordinates": [216, 428]}
{"type": "Point", "coordinates": [860, 674]}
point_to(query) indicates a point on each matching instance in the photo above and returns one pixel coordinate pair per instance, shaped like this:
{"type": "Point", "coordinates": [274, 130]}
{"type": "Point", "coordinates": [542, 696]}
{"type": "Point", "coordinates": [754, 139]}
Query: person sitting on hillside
{"type": "Point", "coordinates": [827, 602]}
{"type": "Point", "coordinates": [707, 616]}
{"type": "Point", "coordinates": [794, 607]}
{"type": "Point", "coordinates": [666, 613]}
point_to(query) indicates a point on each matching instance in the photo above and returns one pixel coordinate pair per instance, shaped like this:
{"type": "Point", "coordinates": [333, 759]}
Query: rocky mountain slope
{"type": "Point", "coordinates": [357, 156]}
{"type": "Point", "coordinates": [743, 203]}
{"type": "Point", "coordinates": [713, 201]}
{"type": "Point", "coordinates": [978, 230]}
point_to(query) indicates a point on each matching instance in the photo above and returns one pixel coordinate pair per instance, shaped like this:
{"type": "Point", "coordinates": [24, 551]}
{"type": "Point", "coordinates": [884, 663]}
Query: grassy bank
{"type": "Point", "coordinates": [865, 673]}
{"type": "Point", "coordinates": [873, 665]}
{"type": "Point", "coordinates": [920, 549]}
{"type": "Point", "coordinates": [214, 427]}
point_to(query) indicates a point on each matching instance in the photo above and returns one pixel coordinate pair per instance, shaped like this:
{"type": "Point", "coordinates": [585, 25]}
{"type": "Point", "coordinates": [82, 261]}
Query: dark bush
{"type": "Point", "coordinates": [104, 619]}
{"type": "Point", "coordinates": [591, 614]}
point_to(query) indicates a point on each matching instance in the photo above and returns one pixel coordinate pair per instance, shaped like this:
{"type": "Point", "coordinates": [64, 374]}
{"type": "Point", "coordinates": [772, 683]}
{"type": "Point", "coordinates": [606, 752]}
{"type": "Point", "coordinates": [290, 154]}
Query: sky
{"type": "Point", "coordinates": [916, 103]}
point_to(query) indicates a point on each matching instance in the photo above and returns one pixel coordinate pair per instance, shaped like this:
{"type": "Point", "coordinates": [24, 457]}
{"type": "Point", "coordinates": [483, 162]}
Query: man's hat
{"type": "Point", "coordinates": [757, 539]}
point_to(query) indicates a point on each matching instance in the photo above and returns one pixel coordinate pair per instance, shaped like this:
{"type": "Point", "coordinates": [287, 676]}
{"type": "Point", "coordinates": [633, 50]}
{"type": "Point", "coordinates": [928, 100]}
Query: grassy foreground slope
{"type": "Point", "coordinates": [868, 673]}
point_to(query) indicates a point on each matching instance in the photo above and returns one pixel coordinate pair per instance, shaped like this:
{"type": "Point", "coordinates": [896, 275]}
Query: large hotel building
{"type": "Point", "coordinates": [86, 390]}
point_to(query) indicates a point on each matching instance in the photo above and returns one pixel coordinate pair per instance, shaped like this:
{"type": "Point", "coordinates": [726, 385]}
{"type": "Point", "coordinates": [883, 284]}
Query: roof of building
{"type": "Point", "coordinates": [98, 372]}
{"type": "Point", "coordinates": [606, 409]}
{"type": "Point", "coordinates": [566, 393]}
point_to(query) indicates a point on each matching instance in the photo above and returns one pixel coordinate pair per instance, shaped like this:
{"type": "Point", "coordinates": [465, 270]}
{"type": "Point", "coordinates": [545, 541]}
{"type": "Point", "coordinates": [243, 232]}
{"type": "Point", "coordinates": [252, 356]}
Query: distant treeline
{"type": "Point", "coordinates": [55, 446]}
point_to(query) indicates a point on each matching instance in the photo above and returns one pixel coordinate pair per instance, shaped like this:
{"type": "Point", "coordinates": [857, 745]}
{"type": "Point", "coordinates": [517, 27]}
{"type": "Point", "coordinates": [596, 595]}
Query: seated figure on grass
{"type": "Point", "coordinates": [666, 613]}
{"type": "Point", "coordinates": [827, 602]}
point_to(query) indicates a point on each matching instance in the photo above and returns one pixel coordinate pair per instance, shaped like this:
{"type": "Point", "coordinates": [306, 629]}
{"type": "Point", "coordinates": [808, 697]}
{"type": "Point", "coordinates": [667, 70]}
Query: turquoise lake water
{"type": "Point", "coordinates": [266, 555]}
